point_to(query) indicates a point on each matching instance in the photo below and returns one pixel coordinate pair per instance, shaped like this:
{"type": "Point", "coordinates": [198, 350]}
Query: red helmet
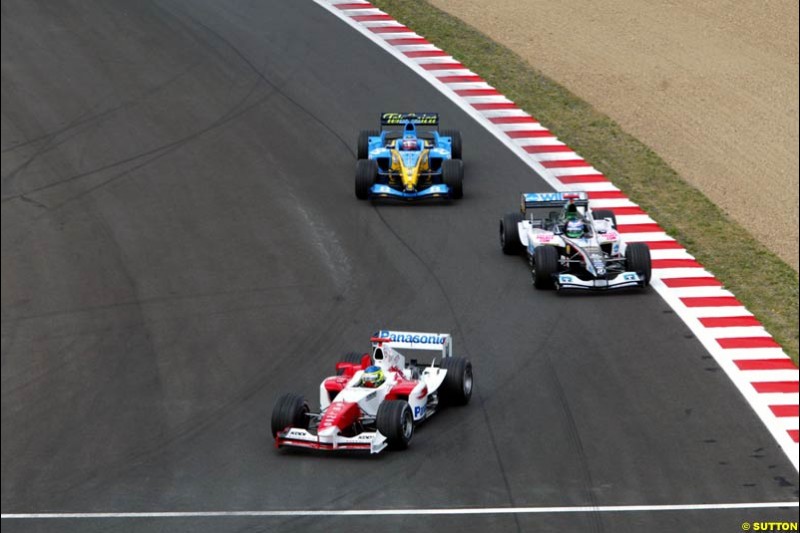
{"type": "Point", "coordinates": [409, 143]}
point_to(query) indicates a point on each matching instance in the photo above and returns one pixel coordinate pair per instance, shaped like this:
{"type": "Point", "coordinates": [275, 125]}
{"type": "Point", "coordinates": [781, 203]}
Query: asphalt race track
{"type": "Point", "coordinates": [181, 244]}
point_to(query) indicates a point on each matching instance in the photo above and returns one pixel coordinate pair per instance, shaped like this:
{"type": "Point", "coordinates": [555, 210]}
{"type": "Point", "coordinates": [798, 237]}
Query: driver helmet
{"type": "Point", "coordinates": [409, 143]}
{"type": "Point", "coordinates": [372, 377]}
{"type": "Point", "coordinates": [574, 228]}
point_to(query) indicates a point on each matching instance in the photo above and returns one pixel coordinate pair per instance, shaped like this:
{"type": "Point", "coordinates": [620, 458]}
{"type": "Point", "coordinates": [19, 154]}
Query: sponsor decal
{"type": "Point", "coordinates": [419, 411]}
{"type": "Point", "coordinates": [397, 119]}
{"type": "Point", "coordinates": [565, 278]}
{"type": "Point", "coordinates": [414, 338]}
{"type": "Point", "coordinates": [532, 197]}
{"type": "Point", "coordinates": [630, 276]}
{"type": "Point", "coordinates": [544, 237]}
{"type": "Point", "coordinates": [542, 197]}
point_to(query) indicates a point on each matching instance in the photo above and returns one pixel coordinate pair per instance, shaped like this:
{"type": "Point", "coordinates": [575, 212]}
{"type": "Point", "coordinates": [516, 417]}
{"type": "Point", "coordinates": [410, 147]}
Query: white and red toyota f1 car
{"type": "Point", "coordinates": [375, 400]}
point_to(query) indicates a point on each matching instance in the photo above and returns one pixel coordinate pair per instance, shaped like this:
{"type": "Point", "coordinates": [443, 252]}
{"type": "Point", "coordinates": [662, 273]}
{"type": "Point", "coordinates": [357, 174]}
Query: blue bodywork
{"type": "Point", "coordinates": [432, 147]}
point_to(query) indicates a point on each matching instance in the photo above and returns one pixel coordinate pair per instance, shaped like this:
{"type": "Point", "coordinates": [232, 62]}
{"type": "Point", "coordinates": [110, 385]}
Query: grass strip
{"type": "Point", "coordinates": [759, 279]}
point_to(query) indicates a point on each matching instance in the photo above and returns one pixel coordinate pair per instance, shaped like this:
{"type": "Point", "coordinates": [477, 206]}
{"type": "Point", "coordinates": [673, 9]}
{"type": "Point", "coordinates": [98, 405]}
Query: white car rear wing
{"type": "Point", "coordinates": [412, 340]}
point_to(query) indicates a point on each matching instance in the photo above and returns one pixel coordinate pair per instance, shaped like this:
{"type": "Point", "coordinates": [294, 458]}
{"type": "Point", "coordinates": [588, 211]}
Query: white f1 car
{"type": "Point", "coordinates": [572, 246]}
{"type": "Point", "coordinates": [375, 400]}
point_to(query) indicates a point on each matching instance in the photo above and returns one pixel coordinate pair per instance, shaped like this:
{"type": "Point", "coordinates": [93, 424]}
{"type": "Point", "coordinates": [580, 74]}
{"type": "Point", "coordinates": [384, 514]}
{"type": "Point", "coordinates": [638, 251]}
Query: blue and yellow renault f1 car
{"type": "Point", "coordinates": [409, 159]}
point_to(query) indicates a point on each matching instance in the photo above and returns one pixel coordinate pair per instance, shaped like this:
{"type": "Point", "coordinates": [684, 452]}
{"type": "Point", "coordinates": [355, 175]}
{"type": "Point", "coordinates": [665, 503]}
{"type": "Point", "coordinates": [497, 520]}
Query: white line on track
{"type": "Point", "coordinates": [420, 512]}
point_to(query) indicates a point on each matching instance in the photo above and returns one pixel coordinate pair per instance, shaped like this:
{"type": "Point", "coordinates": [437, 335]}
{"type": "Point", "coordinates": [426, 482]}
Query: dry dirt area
{"type": "Point", "coordinates": [711, 86]}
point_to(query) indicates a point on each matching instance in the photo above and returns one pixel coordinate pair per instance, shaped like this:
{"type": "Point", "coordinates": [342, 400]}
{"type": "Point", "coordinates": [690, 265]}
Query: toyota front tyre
{"type": "Point", "coordinates": [457, 385]}
{"type": "Point", "coordinates": [291, 410]}
{"type": "Point", "coordinates": [395, 422]}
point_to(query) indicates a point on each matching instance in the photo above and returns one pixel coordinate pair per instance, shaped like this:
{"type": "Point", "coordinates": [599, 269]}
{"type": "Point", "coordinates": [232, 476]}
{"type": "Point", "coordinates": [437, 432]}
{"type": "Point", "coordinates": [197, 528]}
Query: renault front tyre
{"type": "Point", "coordinates": [366, 174]}
{"type": "Point", "coordinates": [453, 177]}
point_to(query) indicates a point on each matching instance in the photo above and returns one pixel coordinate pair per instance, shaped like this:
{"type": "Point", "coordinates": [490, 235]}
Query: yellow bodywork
{"type": "Point", "coordinates": [410, 175]}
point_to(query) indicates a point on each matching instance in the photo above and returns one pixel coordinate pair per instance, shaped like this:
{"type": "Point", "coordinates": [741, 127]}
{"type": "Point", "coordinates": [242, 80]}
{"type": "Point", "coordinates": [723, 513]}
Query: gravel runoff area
{"type": "Point", "coordinates": [711, 86]}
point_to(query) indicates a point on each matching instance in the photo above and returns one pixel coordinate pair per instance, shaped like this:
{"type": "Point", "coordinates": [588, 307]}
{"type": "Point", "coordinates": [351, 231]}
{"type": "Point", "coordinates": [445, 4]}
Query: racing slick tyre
{"type": "Point", "coordinates": [453, 177]}
{"type": "Point", "coordinates": [605, 213]}
{"type": "Point", "coordinates": [545, 264]}
{"type": "Point", "coordinates": [637, 259]}
{"type": "Point", "coordinates": [353, 358]}
{"type": "Point", "coordinates": [455, 142]}
{"type": "Point", "coordinates": [395, 422]}
{"type": "Point", "coordinates": [363, 142]}
{"type": "Point", "coordinates": [457, 385]}
{"type": "Point", "coordinates": [290, 411]}
{"type": "Point", "coordinates": [509, 233]}
{"type": "Point", "coordinates": [366, 173]}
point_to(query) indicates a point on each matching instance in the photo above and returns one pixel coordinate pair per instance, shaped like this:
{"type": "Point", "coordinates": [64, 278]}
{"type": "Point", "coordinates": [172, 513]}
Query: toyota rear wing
{"type": "Point", "coordinates": [412, 340]}
{"type": "Point", "coordinates": [552, 199]}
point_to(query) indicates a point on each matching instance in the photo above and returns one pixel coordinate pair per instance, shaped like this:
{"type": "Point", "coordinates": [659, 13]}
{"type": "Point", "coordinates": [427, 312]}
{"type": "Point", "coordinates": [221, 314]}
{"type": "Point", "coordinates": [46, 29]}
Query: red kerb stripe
{"type": "Point", "coordinates": [675, 283]}
{"type": "Point", "coordinates": [426, 53]}
{"type": "Point", "coordinates": [633, 210]}
{"type": "Point", "coordinates": [371, 18]}
{"type": "Point", "coordinates": [729, 321]}
{"type": "Point", "coordinates": [785, 410]}
{"type": "Point", "coordinates": [794, 434]}
{"type": "Point", "coordinates": [525, 134]}
{"type": "Point", "coordinates": [512, 120]}
{"type": "Point", "coordinates": [766, 387]}
{"type": "Point", "coordinates": [584, 178]}
{"type": "Point", "coordinates": [566, 164]}
{"type": "Point", "coordinates": [443, 66]}
{"type": "Point", "coordinates": [355, 6]}
{"type": "Point", "coordinates": [674, 263]}
{"type": "Point", "coordinates": [390, 29]}
{"type": "Point", "coordinates": [639, 228]}
{"type": "Point", "coordinates": [710, 301]}
{"type": "Point", "coordinates": [547, 148]}
{"type": "Point", "coordinates": [664, 245]}
{"type": "Point", "coordinates": [765, 364]}
{"type": "Point", "coordinates": [477, 92]}
{"type": "Point", "coordinates": [606, 195]}
{"type": "Point", "coordinates": [461, 79]}
{"type": "Point", "coordinates": [408, 41]}
{"type": "Point", "coordinates": [748, 342]}
{"type": "Point", "coordinates": [498, 105]}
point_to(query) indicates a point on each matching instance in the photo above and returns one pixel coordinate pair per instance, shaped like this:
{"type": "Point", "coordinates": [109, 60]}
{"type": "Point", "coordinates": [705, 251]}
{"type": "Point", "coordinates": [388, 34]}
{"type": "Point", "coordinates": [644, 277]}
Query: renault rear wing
{"type": "Point", "coordinates": [401, 119]}
{"type": "Point", "coordinates": [552, 199]}
{"type": "Point", "coordinates": [411, 340]}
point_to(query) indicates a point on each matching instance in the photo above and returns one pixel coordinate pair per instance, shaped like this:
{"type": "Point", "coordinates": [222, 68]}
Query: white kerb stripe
{"type": "Point", "coordinates": [578, 170]}
{"type": "Point", "coordinates": [524, 126]}
{"type": "Point", "coordinates": [433, 59]}
{"type": "Point", "coordinates": [418, 48]}
{"type": "Point", "coordinates": [554, 156]}
{"type": "Point", "coordinates": [739, 331]}
{"type": "Point", "coordinates": [604, 203]}
{"type": "Point", "coordinates": [537, 141]}
{"type": "Point", "coordinates": [705, 292]}
{"type": "Point", "coordinates": [671, 253]}
{"type": "Point", "coordinates": [590, 187]}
